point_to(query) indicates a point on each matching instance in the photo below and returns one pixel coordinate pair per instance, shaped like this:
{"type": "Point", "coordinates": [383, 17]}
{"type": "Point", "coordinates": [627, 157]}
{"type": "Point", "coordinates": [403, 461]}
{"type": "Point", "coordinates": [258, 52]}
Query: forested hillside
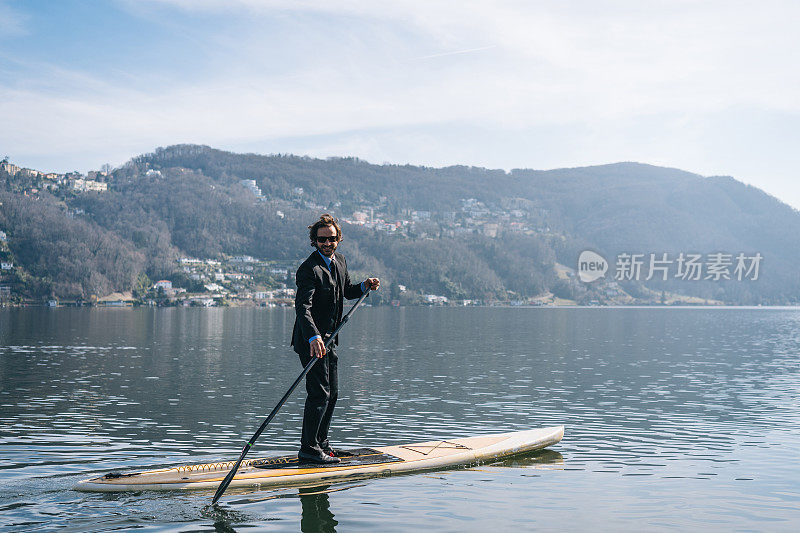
{"type": "Point", "coordinates": [460, 232]}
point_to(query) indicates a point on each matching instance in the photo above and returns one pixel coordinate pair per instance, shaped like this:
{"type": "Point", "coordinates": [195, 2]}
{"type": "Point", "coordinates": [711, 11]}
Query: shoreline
{"type": "Point", "coordinates": [484, 306]}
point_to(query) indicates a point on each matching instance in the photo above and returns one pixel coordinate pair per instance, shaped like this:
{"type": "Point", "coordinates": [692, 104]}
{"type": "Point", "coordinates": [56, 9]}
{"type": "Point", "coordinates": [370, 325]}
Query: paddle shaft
{"type": "Point", "coordinates": [229, 477]}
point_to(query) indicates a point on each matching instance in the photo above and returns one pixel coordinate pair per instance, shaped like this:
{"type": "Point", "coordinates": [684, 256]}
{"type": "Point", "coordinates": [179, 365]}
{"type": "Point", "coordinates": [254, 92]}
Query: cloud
{"type": "Point", "coordinates": [503, 84]}
{"type": "Point", "coordinates": [12, 22]}
{"type": "Point", "coordinates": [457, 52]}
{"type": "Point", "coordinates": [625, 54]}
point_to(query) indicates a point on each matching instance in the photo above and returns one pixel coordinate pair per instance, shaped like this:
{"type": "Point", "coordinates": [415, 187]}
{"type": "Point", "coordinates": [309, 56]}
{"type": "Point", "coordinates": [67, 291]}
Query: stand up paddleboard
{"type": "Point", "coordinates": [355, 464]}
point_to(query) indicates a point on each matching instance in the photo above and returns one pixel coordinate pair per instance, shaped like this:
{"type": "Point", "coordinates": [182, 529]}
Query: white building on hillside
{"type": "Point", "coordinates": [253, 188]}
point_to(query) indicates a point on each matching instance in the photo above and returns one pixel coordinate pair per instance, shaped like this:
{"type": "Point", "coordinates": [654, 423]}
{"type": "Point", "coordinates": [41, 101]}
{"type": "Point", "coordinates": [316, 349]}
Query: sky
{"type": "Point", "coordinates": [710, 87]}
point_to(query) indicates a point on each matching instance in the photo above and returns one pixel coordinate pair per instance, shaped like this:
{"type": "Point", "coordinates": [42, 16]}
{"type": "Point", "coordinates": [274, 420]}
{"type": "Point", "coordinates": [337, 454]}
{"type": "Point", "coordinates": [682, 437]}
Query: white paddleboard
{"type": "Point", "coordinates": [355, 464]}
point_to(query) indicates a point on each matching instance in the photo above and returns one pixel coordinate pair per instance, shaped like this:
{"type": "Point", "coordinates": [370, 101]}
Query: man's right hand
{"type": "Point", "coordinates": [317, 348]}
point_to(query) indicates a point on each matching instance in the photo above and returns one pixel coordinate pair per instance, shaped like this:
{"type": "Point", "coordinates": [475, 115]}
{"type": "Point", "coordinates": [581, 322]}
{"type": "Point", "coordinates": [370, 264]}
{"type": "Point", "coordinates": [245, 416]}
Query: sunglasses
{"type": "Point", "coordinates": [327, 239]}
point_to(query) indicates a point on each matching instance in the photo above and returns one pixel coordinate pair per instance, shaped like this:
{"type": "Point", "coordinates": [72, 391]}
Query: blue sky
{"type": "Point", "coordinates": [710, 87]}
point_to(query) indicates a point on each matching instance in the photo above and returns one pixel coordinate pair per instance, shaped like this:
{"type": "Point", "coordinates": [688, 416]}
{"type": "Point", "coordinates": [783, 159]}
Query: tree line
{"type": "Point", "coordinates": [195, 206]}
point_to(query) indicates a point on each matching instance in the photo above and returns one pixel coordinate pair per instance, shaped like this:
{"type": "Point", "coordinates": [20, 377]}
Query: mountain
{"type": "Point", "coordinates": [461, 232]}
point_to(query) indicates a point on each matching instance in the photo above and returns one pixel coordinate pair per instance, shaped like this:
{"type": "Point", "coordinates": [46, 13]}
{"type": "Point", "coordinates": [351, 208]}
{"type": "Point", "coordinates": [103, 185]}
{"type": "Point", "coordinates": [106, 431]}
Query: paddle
{"type": "Point", "coordinates": [229, 477]}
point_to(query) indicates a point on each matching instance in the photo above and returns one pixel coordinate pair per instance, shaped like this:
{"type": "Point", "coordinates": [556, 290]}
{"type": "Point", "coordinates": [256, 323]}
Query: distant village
{"type": "Point", "coordinates": [241, 281]}
{"type": "Point", "coordinates": [32, 181]}
{"type": "Point", "coordinates": [472, 217]}
{"type": "Point", "coordinates": [238, 280]}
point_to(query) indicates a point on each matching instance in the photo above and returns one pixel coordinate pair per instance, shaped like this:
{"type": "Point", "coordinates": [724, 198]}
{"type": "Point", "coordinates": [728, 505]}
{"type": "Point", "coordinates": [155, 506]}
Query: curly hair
{"type": "Point", "coordinates": [324, 220]}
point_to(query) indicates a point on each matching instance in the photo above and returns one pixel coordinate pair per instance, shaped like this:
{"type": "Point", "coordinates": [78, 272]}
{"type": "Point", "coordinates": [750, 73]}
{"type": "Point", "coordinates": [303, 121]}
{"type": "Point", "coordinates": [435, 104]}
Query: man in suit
{"type": "Point", "coordinates": [322, 285]}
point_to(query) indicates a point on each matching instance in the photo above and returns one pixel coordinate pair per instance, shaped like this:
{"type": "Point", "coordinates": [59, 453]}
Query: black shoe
{"type": "Point", "coordinates": [317, 458]}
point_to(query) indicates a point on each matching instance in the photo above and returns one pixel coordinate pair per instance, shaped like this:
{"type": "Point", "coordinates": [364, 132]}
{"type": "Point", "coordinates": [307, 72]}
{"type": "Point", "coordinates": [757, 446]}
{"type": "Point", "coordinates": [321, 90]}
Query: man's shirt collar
{"type": "Point", "coordinates": [326, 259]}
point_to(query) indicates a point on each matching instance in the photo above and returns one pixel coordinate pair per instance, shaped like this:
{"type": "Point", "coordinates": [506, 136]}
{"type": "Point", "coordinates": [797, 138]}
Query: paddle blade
{"type": "Point", "coordinates": [226, 482]}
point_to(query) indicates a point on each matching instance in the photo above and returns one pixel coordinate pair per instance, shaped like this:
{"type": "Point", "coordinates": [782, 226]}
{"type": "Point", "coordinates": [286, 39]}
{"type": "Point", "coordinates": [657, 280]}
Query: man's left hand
{"type": "Point", "coordinates": [373, 283]}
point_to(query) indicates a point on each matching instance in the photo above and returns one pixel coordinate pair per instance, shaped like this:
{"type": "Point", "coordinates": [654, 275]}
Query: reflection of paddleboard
{"type": "Point", "coordinates": [544, 460]}
{"type": "Point", "coordinates": [356, 464]}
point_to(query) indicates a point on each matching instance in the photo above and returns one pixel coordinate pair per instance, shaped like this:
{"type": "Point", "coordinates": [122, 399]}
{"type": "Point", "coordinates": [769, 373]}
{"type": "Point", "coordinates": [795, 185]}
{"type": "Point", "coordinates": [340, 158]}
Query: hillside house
{"type": "Point", "coordinates": [9, 168]}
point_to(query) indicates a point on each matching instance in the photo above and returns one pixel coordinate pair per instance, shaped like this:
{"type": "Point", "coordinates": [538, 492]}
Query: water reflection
{"type": "Point", "coordinates": [317, 516]}
{"type": "Point", "coordinates": [545, 459]}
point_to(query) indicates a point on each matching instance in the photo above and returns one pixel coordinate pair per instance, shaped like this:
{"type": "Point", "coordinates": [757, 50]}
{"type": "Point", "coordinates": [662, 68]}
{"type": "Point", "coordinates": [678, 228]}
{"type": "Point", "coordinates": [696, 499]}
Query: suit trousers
{"type": "Point", "coordinates": [322, 387]}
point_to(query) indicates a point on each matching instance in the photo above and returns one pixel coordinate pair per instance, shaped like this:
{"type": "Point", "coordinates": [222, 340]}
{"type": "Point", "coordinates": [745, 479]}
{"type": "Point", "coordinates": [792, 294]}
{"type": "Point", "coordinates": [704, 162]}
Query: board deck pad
{"type": "Point", "coordinates": [358, 456]}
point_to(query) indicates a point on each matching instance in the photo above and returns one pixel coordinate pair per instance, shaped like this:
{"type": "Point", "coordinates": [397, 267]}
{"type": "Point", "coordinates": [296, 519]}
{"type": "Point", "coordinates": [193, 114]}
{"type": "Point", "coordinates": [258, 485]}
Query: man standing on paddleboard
{"type": "Point", "coordinates": [322, 285]}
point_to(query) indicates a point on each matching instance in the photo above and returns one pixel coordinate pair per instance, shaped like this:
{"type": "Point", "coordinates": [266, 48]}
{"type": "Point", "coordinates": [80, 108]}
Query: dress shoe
{"type": "Point", "coordinates": [329, 452]}
{"type": "Point", "coordinates": [317, 458]}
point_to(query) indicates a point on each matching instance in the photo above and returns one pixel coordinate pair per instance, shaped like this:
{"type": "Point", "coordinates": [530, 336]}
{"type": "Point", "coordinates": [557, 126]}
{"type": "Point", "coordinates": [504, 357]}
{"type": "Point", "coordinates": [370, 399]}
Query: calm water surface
{"type": "Point", "coordinates": [676, 419]}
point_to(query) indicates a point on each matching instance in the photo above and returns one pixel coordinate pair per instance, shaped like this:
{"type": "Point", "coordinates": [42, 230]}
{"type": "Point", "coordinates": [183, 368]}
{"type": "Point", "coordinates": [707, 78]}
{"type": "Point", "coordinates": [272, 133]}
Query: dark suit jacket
{"type": "Point", "coordinates": [319, 299]}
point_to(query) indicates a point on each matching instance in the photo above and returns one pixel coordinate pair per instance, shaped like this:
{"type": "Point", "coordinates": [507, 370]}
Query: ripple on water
{"type": "Point", "coordinates": [703, 401]}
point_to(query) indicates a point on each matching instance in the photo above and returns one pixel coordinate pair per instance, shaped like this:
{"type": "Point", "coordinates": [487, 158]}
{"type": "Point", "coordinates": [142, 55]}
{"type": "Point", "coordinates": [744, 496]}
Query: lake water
{"type": "Point", "coordinates": [676, 419]}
